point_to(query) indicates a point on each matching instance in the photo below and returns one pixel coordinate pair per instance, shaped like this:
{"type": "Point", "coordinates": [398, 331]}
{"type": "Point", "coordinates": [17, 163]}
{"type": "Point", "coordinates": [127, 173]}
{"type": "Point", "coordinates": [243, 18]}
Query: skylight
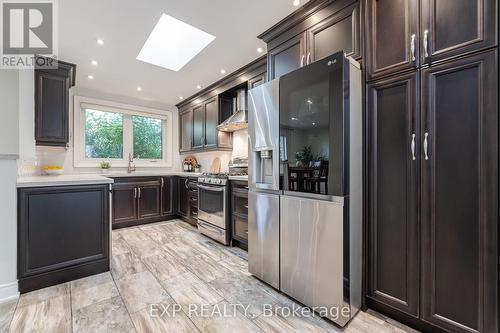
{"type": "Point", "coordinates": [173, 43]}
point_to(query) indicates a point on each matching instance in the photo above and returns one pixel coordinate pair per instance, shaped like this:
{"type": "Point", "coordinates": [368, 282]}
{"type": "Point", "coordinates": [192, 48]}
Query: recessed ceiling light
{"type": "Point", "coordinates": [260, 49]}
{"type": "Point", "coordinates": [309, 101]}
{"type": "Point", "coordinates": [223, 71]}
{"type": "Point", "coordinates": [100, 41]}
{"type": "Point", "coordinates": [94, 62]}
{"type": "Point", "coordinates": [293, 118]}
{"type": "Point", "coordinates": [199, 86]}
{"type": "Point", "coordinates": [181, 98]}
{"type": "Point", "coordinates": [139, 89]}
{"type": "Point", "coordinates": [314, 124]}
{"type": "Point", "coordinates": [296, 3]}
{"type": "Point", "coordinates": [173, 43]}
{"type": "Point", "coordinates": [90, 77]}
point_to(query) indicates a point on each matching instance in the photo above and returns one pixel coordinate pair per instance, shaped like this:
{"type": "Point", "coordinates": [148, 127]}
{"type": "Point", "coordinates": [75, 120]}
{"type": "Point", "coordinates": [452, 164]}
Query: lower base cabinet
{"type": "Point", "coordinates": [239, 214]}
{"type": "Point", "coordinates": [188, 199]}
{"type": "Point", "coordinates": [63, 234]}
{"type": "Point", "coordinates": [433, 187]}
{"type": "Point", "coordinates": [140, 200]}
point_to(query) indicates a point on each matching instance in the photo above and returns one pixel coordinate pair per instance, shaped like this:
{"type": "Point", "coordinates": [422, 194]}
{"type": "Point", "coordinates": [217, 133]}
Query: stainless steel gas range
{"type": "Point", "coordinates": [213, 207]}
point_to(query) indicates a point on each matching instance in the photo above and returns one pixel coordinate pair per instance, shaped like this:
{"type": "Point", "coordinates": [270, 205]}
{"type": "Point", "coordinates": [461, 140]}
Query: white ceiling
{"type": "Point", "coordinates": [124, 25]}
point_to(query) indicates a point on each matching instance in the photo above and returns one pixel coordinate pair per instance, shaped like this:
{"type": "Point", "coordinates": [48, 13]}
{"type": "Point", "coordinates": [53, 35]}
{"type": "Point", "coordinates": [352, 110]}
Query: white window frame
{"type": "Point", "coordinates": [81, 161]}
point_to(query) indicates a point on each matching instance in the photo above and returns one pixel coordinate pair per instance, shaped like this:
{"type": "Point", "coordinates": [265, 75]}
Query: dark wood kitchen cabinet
{"type": "Point", "coordinates": [63, 234]}
{"type": "Point", "coordinates": [205, 121]}
{"type": "Point", "coordinates": [287, 57]}
{"type": "Point", "coordinates": [454, 27]}
{"type": "Point", "coordinates": [52, 104]}
{"type": "Point", "coordinates": [460, 194]}
{"type": "Point", "coordinates": [433, 217]}
{"type": "Point", "coordinates": [314, 32]}
{"type": "Point", "coordinates": [200, 114]}
{"type": "Point", "coordinates": [149, 195]}
{"type": "Point", "coordinates": [394, 172]}
{"type": "Point", "coordinates": [188, 199]}
{"type": "Point", "coordinates": [398, 40]}
{"type": "Point", "coordinates": [169, 196]}
{"type": "Point", "coordinates": [205, 118]}
{"type": "Point", "coordinates": [140, 200]}
{"type": "Point", "coordinates": [239, 213]}
{"type": "Point", "coordinates": [341, 31]}
{"type": "Point", "coordinates": [185, 130]}
{"type": "Point", "coordinates": [392, 36]}
{"type": "Point", "coordinates": [125, 205]}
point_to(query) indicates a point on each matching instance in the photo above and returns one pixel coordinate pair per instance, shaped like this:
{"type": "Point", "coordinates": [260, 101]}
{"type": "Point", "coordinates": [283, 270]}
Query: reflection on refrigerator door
{"type": "Point", "coordinates": [263, 236]}
{"type": "Point", "coordinates": [312, 254]}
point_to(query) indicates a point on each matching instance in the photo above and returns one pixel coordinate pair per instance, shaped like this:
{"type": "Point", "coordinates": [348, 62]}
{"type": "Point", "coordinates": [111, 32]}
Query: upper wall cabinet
{"type": "Point", "coordinates": [392, 36]}
{"type": "Point", "coordinates": [340, 31]}
{"type": "Point", "coordinates": [455, 27]}
{"type": "Point", "coordinates": [398, 41]}
{"type": "Point", "coordinates": [313, 32]}
{"type": "Point", "coordinates": [185, 130]}
{"type": "Point", "coordinates": [287, 57]}
{"type": "Point", "coordinates": [206, 117]}
{"type": "Point", "coordinates": [52, 104]}
{"type": "Point", "coordinates": [199, 115]}
{"type": "Point", "coordinates": [197, 127]}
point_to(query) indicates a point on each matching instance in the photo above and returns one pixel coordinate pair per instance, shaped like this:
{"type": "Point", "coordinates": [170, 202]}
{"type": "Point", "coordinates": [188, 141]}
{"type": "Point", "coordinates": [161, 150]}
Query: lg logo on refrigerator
{"type": "Point", "coordinates": [331, 62]}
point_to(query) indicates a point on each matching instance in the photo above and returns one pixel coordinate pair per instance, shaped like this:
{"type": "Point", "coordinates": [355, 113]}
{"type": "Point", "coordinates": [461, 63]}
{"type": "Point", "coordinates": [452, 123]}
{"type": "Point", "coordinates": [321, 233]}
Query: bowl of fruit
{"type": "Point", "coordinates": [53, 170]}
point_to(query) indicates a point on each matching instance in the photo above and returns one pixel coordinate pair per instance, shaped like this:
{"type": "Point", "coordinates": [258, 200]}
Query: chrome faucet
{"type": "Point", "coordinates": [131, 166]}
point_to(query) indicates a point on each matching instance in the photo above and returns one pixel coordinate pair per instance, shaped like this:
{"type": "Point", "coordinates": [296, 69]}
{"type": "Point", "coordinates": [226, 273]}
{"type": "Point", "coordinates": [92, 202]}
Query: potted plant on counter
{"type": "Point", "coordinates": [105, 166]}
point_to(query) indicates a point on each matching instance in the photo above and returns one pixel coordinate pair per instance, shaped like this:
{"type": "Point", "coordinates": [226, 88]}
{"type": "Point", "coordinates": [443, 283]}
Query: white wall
{"type": "Point", "coordinates": [9, 149]}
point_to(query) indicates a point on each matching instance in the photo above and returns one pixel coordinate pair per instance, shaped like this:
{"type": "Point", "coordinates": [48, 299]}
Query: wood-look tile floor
{"type": "Point", "coordinates": [166, 277]}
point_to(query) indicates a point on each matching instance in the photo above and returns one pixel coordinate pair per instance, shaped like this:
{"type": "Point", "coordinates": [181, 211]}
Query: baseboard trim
{"type": "Point", "coordinates": [9, 291]}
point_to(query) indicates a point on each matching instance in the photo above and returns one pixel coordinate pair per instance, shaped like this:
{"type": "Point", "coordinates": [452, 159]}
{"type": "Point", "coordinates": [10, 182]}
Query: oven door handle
{"type": "Point", "coordinates": [209, 227]}
{"type": "Point", "coordinates": [211, 188]}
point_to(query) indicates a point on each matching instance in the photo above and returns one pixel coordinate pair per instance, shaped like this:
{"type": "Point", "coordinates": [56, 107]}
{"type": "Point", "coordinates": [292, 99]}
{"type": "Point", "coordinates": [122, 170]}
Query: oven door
{"type": "Point", "coordinates": [212, 204]}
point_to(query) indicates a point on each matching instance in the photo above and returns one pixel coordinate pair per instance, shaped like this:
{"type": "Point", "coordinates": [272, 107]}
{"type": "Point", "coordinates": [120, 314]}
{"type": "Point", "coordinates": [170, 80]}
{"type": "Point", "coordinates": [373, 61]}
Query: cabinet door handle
{"type": "Point", "coordinates": [135, 192]}
{"type": "Point", "coordinates": [413, 147]}
{"type": "Point", "coordinates": [162, 183]}
{"type": "Point", "coordinates": [246, 206]}
{"type": "Point", "coordinates": [302, 61]}
{"type": "Point", "coordinates": [186, 183]}
{"type": "Point", "coordinates": [426, 43]}
{"type": "Point", "coordinates": [308, 58]}
{"type": "Point", "coordinates": [412, 47]}
{"type": "Point", "coordinates": [139, 193]}
{"type": "Point", "coordinates": [426, 146]}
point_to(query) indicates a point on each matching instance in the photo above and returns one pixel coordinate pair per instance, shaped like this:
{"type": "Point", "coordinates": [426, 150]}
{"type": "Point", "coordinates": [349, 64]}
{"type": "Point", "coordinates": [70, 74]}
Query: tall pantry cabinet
{"type": "Point", "coordinates": [432, 99]}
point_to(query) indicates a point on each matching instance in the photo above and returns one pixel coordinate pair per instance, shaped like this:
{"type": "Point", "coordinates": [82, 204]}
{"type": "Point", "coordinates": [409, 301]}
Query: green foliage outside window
{"type": "Point", "coordinates": [103, 134]}
{"type": "Point", "coordinates": [147, 138]}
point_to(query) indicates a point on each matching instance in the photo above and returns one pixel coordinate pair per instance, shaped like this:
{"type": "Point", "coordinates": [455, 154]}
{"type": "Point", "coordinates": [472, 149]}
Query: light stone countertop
{"type": "Point", "coordinates": [62, 180]}
{"type": "Point", "coordinates": [152, 174]}
{"type": "Point", "coordinates": [87, 179]}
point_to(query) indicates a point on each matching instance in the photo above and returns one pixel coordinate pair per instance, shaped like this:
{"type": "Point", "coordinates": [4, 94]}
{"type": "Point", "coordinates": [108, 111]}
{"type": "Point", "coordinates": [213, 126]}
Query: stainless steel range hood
{"type": "Point", "coordinates": [239, 119]}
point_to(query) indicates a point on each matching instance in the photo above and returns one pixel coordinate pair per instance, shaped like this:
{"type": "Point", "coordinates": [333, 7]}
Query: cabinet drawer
{"type": "Point", "coordinates": [240, 227]}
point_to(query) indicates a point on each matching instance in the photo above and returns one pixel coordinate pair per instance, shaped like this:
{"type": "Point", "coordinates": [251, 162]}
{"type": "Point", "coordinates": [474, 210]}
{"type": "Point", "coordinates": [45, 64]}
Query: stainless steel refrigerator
{"type": "Point", "coordinates": [305, 179]}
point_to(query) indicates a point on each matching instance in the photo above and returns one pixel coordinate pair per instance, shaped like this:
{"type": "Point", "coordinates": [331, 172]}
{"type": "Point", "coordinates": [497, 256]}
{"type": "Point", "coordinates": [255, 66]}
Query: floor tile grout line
{"type": "Point", "coordinates": [123, 302]}
{"type": "Point", "coordinates": [224, 299]}
{"type": "Point", "coordinates": [161, 285]}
